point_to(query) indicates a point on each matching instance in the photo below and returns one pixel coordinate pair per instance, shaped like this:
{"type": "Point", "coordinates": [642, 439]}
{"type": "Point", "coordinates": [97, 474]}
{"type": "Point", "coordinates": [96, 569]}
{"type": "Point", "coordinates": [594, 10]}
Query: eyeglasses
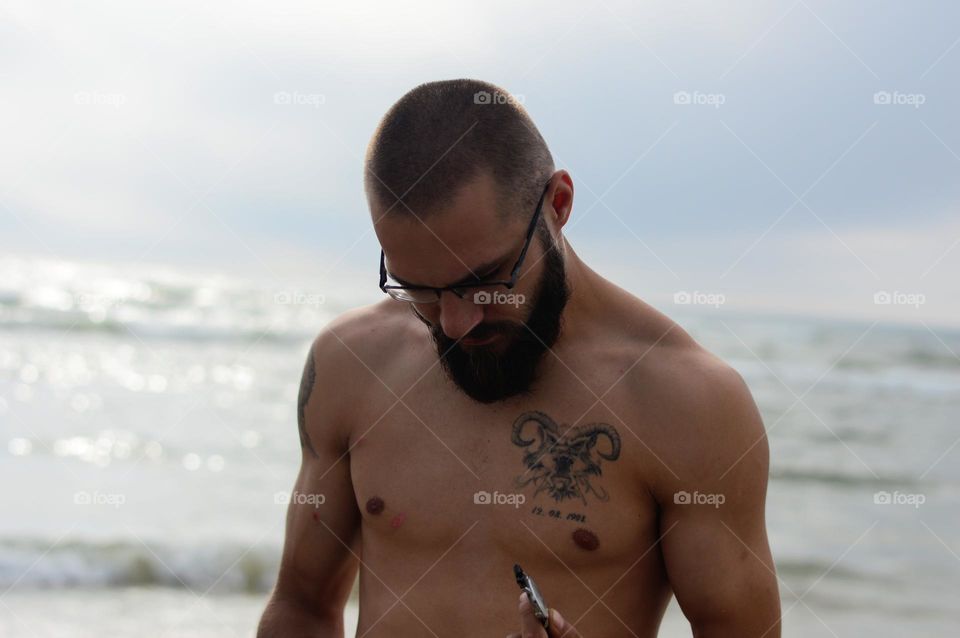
{"type": "Point", "coordinates": [482, 289]}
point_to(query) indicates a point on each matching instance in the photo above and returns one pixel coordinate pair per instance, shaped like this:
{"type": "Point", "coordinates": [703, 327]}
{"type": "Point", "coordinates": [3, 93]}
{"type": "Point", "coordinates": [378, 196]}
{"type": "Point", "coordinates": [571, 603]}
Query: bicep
{"type": "Point", "coordinates": [319, 561]}
{"type": "Point", "coordinates": [714, 539]}
{"type": "Point", "coordinates": [721, 571]}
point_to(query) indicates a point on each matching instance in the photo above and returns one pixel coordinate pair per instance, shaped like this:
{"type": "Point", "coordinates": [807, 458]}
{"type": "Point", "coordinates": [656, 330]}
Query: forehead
{"type": "Point", "coordinates": [465, 233]}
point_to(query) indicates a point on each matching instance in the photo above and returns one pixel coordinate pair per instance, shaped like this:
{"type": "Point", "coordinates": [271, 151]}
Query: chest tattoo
{"type": "Point", "coordinates": [561, 461]}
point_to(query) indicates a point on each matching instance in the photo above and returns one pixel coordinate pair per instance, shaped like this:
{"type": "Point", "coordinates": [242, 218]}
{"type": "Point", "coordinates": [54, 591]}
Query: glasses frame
{"type": "Point", "coordinates": [460, 290]}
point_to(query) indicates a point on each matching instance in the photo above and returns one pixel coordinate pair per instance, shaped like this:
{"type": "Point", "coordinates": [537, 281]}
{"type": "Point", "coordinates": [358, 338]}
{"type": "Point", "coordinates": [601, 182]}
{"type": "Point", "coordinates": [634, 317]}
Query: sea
{"type": "Point", "coordinates": [148, 439]}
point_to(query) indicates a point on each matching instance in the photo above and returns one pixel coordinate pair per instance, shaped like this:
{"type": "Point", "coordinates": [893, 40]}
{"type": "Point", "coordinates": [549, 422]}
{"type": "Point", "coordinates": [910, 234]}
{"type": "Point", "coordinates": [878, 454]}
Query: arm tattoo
{"type": "Point", "coordinates": [306, 386]}
{"type": "Point", "coordinates": [562, 461]}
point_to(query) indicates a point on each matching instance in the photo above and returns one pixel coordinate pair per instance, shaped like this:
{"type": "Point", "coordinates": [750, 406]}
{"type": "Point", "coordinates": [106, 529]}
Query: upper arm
{"type": "Point", "coordinates": [712, 522]}
{"type": "Point", "coordinates": [319, 562]}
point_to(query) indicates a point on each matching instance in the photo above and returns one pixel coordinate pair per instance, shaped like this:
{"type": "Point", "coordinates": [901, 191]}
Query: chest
{"type": "Point", "coordinates": [561, 476]}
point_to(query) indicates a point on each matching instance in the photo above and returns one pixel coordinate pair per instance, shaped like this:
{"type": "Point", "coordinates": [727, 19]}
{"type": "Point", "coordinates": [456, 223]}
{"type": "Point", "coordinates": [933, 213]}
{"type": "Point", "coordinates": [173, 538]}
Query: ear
{"type": "Point", "coordinates": [560, 198]}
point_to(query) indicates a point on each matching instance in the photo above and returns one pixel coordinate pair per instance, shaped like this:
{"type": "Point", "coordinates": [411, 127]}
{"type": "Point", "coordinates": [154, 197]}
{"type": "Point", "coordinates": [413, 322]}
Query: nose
{"type": "Point", "coordinates": [458, 316]}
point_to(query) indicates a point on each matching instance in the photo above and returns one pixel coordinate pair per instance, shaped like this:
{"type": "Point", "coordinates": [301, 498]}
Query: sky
{"type": "Point", "coordinates": [798, 157]}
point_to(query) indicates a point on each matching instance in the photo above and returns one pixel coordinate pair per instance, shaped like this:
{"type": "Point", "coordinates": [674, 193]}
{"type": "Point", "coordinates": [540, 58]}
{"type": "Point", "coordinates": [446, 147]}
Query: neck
{"type": "Point", "coordinates": [586, 292]}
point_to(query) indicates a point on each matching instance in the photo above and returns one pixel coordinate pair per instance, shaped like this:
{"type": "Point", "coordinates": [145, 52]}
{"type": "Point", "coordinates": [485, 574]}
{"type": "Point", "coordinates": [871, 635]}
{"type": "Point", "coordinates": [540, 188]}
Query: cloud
{"type": "Point", "coordinates": [156, 127]}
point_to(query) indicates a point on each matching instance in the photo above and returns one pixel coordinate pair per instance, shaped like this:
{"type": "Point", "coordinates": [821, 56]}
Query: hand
{"type": "Point", "coordinates": [530, 627]}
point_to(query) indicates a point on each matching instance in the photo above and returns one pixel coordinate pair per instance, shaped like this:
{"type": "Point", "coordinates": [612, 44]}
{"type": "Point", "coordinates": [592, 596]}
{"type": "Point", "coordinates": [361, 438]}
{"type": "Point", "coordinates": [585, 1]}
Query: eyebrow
{"type": "Point", "coordinates": [484, 269]}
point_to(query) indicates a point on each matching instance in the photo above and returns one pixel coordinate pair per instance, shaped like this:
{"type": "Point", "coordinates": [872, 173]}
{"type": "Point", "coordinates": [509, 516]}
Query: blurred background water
{"type": "Point", "coordinates": [148, 425]}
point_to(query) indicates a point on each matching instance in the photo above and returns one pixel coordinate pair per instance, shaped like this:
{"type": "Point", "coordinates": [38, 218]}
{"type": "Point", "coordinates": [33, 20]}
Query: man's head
{"type": "Point", "coordinates": [454, 174]}
{"type": "Point", "coordinates": [439, 135]}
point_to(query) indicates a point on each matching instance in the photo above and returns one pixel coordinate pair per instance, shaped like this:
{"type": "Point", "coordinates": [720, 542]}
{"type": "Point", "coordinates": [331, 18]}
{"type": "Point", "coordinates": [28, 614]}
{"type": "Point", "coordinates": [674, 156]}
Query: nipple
{"type": "Point", "coordinates": [375, 505]}
{"type": "Point", "coordinates": [585, 539]}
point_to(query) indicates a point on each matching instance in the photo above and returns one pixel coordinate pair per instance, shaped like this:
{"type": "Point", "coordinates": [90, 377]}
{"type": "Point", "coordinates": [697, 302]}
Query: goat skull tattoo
{"type": "Point", "coordinates": [564, 462]}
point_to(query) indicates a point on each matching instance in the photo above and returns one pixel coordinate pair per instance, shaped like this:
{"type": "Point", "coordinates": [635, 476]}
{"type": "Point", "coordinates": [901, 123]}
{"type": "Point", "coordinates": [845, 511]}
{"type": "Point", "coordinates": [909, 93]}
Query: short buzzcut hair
{"type": "Point", "coordinates": [437, 137]}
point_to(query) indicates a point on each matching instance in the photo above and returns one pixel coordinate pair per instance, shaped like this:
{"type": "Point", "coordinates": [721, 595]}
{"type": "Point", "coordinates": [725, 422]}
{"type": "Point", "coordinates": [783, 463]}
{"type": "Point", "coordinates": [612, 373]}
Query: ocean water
{"type": "Point", "coordinates": [147, 436]}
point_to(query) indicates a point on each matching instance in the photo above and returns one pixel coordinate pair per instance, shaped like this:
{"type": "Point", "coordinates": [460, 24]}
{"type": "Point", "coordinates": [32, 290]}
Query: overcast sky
{"type": "Point", "coordinates": [795, 156]}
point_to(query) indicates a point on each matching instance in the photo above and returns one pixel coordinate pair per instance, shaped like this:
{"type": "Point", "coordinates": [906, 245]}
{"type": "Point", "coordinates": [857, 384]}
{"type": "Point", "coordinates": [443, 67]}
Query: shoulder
{"type": "Point", "coordinates": [706, 423]}
{"type": "Point", "coordinates": [671, 363]}
{"type": "Point", "coordinates": [706, 388]}
{"type": "Point", "coordinates": [350, 355]}
{"type": "Point", "coordinates": [362, 338]}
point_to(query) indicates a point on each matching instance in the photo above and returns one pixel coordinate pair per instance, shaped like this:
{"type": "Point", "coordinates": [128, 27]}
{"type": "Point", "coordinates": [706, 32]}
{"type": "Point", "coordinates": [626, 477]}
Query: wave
{"type": "Point", "coordinates": [809, 569]}
{"type": "Point", "coordinates": [197, 330]}
{"type": "Point", "coordinates": [241, 316]}
{"type": "Point", "coordinates": [222, 566]}
{"type": "Point", "coordinates": [37, 294]}
{"type": "Point", "coordinates": [829, 477]}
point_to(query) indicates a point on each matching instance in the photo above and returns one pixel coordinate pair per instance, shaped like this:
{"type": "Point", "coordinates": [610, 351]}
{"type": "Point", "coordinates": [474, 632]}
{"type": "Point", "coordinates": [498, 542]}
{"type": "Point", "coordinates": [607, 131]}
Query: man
{"type": "Point", "coordinates": [507, 404]}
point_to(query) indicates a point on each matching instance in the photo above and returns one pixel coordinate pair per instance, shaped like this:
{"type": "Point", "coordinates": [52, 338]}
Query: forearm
{"type": "Point", "coordinates": [754, 612]}
{"type": "Point", "coordinates": [288, 619]}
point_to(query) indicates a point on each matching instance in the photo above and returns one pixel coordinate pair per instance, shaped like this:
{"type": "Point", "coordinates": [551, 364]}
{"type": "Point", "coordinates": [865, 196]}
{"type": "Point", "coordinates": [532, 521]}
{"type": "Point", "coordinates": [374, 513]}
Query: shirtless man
{"type": "Point", "coordinates": [454, 429]}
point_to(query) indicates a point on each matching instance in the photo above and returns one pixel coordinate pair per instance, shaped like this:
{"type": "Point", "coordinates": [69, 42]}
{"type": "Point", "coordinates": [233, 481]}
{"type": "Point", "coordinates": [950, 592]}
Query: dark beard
{"type": "Point", "coordinates": [508, 366]}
